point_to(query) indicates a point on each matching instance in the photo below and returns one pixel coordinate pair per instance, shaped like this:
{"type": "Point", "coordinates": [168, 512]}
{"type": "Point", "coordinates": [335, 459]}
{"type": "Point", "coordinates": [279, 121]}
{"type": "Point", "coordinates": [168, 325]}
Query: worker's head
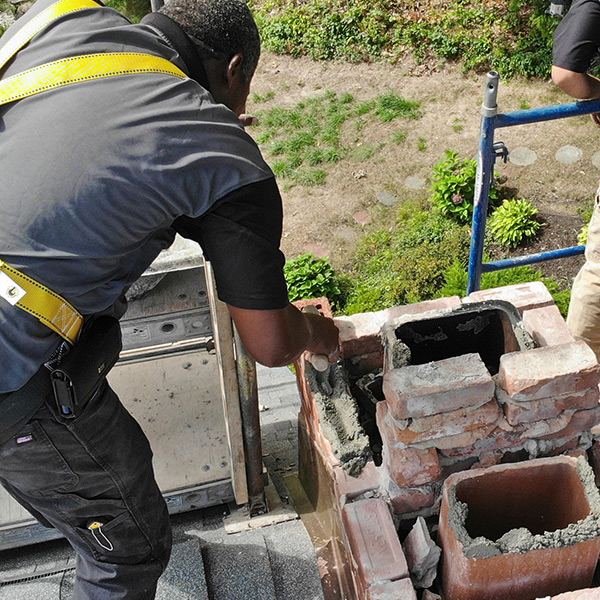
{"type": "Point", "coordinates": [227, 40]}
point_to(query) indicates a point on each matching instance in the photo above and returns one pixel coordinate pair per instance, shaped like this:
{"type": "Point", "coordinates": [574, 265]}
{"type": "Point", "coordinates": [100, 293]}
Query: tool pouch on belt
{"type": "Point", "coordinates": [86, 364]}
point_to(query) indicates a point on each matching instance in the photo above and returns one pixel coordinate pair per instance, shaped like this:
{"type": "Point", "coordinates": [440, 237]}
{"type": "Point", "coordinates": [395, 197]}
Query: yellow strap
{"type": "Point", "coordinates": [82, 68]}
{"type": "Point", "coordinates": [30, 29]}
{"type": "Point", "coordinates": [52, 310]}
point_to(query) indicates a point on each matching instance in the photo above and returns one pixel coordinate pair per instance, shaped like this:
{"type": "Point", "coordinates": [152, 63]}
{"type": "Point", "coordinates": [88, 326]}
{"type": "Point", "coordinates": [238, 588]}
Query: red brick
{"type": "Point", "coordinates": [498, 439]}
{"type": "Point", "coordinates": [522, 295]}
{"type": "Point", "coordinates": [547, 326]}
{"type": "Point", "coordinates": [408, 500]}
{"type": "Point", "coordinates": [360, 333]}
{"type": "Point", "coordinates": [581, 420]}
{"type": "Point", "coordinates": [322, 304]}
{"type": "Point", "coordinates": [558, 446]}
{"type": "Point", "coordinates": [436, 387]}
{"type": "Point", "coordinates": [361, 364]}
{"type": "Point", "coordinates": [422, 555]}
{"type": "Point", "coordinates": [548, 372]}
{"type": "Point", "coordinates": [420, 308]}
{"type": "Point", "coordinates": [374, 543]}
{"type": "Point", "coordinates": [411, 467]}
{"type": "Point", "coordinates": [348, 488]}
{"type": "Point", "coordinates": [401, 589]}
{"type": "Point", "coordinates": [547, 408]}
{"type": "Point", "coordinates": [431, 428]}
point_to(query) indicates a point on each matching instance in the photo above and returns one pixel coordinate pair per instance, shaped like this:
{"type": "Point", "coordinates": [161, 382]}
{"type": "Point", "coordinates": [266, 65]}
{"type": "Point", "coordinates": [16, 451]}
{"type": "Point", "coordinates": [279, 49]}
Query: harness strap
{"type": "Point", "coordinates": [15, 287]}
{"type": "Point", "coordinates": [82, 68]}
{"type": "Point", "coordinates": [33, 27]}
{"type": "Point", "coordinates": [51, 309]}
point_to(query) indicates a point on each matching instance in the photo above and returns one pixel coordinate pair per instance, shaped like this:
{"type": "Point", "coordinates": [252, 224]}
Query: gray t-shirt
{"type": "Point", "coordinates": [93, 175]}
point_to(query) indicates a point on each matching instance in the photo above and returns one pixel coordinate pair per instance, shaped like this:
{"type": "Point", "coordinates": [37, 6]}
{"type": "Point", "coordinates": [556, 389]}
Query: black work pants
{"type": "Point", "coordinates": [91, 477]}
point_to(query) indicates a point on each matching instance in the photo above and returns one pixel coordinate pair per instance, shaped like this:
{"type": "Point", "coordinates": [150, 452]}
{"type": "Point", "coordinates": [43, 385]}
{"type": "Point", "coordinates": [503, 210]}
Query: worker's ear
{"type": "Point", "coordinates": [233, 70]}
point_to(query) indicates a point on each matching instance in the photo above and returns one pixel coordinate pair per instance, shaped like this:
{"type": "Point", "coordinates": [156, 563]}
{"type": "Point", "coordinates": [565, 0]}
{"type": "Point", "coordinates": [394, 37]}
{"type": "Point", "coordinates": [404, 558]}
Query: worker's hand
{"type": "Point", "coordinates": [324, 336]}
{"type": "Point", "coordinates": [596, 119]}
{"type": "Point", "coordinates": [248, 120]}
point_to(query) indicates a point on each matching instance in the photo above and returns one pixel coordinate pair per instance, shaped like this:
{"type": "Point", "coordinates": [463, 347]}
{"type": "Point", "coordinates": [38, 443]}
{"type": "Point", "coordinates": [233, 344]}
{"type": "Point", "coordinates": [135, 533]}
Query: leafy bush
{"type": "Point", "coordinates": [513, 37]}
{"type": "Point", "coordinates": [453, 187]}
{"type": "Point", "coordinates": [405, 264]}
{"type": "Point", "coordinates": [514, 222]}
{"type": "Point", "coordinates": [583, 235]}
{"type": "Point", "coordinates": [457, 280]}
{"type": "Point", "coordinates": [311, 277]}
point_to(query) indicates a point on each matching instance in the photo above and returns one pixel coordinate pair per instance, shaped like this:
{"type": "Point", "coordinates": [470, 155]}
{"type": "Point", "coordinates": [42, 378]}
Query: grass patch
{"type": "Point", "coordinates": [301, 140]}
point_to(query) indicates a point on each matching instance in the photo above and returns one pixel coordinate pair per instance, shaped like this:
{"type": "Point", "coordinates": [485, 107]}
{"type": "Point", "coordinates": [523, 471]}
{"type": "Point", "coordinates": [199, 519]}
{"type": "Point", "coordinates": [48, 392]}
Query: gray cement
{"type": "Point", "coordinates": [338, 413]}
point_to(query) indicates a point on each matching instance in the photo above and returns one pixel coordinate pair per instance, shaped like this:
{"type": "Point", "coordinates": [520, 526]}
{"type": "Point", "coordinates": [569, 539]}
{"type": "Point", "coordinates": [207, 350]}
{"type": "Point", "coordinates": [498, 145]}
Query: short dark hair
{"type": "Point", "coordinates": [219, 29]}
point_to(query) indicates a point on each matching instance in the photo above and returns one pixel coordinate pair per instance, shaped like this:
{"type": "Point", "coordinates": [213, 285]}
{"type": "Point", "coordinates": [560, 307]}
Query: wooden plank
{"type": "Point", "coordinates": [223, 335]}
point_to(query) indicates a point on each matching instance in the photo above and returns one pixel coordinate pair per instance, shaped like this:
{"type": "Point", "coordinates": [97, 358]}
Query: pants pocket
{"type": "Point", "coordinates": [21, 457]}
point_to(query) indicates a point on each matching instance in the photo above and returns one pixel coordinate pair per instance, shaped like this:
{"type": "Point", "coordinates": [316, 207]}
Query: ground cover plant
{"type": "Point", "coordinates": [513, 37]}
{"type": "Point", "coordinates": [299, 142]}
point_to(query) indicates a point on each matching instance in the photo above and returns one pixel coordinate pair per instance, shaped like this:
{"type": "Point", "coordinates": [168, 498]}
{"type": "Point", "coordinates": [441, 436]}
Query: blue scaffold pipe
{"type": "Point", "coordinates": [483, 177]}
{"type": "Point", "coordinates": [547, 113]}
{"type": "Point", "coordinates": [529, 259]}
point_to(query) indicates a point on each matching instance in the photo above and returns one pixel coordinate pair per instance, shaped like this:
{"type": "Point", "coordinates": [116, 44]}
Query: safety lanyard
{"type": "Point", "coordinates": [15, 287]}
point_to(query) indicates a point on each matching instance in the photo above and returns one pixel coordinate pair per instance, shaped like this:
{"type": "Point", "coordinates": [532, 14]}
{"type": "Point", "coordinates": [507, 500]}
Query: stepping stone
{"type": "Point", "coordinates": [364, 218]}
{"type": "Point", "coordinates": [318, 250]}
{"type": "Point", "coordinates": [567, 155]}
{"type": "Point", "coordinates": [596, 159]}
{"type": "Point", "coordinates": [414, 183]}
{"type": "Point", "coordinates": [386, 198]}
{"type": "Point", "coordinates": [522, 156]}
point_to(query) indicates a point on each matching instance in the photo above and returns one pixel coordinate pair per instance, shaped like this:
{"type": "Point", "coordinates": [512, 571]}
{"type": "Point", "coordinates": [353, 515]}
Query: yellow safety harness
{"type": "Point", "coordinates": [15, 287]}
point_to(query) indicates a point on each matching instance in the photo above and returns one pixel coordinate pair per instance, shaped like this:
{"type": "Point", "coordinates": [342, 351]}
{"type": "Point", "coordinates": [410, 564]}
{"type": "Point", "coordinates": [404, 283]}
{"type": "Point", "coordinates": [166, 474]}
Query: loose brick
{"type": "Point", "coordinates": [348, 488]}
{"type": "Point", "coordinates": [422, 555]}
{"type": "Point", "coordinates": [423, 429]}
{"type": "Point", "coordinates": [437, 387]}
{"type": "Point", "coordinates": [547, 408]}
{"type": "Point", "coordinates": [374, 543]}
{"type": "Point", "coordinates": [411, 467]}
{"type": "Point", "coordinates": [524, 296]}
{"type": "Point", "coordinates": [408, 500]}
{"type": "Point", "coordinates": [548, 427]}
{"type": "Point", "coordinates": [547, 326]}
{"type": "Point", "coordinates": [548, 372]}
{"type": "Point", "coordinates": [392, 590]}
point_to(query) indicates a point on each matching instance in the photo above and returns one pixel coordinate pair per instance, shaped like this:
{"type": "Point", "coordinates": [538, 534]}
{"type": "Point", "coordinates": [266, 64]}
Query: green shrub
{"type": "Point", "coordinates": [405, 264]}
{"type": "Point", "coordinates": [311, 277]}
{"type": "Point", "coordinates": [456, 281]}
{"type": "Point", "coordinates": [583, 235]}
{"type": "Point", "coordinates": [513, 37]}
{"type": "Point", "coordinates": [453, 187]}
{"type": "Point", "coordinates": [513, 222]}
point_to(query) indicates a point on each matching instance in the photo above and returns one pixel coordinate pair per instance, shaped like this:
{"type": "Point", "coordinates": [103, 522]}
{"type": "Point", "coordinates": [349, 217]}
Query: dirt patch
{"type": "Point", "coordinates": [329, 219]}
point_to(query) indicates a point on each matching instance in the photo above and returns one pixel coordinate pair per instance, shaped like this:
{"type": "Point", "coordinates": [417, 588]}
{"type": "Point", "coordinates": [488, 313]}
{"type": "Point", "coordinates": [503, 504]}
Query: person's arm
{"type": "Point", "coordinates": [276, 338]}
{"type": "Point", "coordinates": [240, 236]}
{"type": "Point", "coordinates": [581, 86]}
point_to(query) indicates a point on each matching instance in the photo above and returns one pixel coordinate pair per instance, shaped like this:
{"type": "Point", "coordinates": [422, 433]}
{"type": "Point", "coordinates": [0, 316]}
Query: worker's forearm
{"type": "Point", "coordinates": [278, 337]}
{"type": "Point", "coordinates": [581, 86]}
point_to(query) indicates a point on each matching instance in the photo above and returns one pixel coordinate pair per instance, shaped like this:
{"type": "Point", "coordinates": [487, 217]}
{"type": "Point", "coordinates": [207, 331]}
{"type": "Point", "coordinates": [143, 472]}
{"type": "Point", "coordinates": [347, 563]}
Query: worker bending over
{"type": "Point", "coordinates": [576, 48]}
{"type": "Point", "coordinates": [119, 137]}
